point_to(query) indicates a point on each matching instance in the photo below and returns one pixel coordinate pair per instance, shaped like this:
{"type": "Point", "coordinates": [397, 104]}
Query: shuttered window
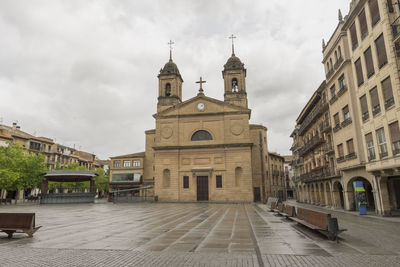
{"type": "Point", "coordinates": [350, 146]}
{"type": "Point", "coordinates": [340, 150]}
{"type": "Point", "coordinates": [374, 11]}
{"type": "Point", "coordinates": [353, 34]}
{"type": "Point", "coordinates": [395, 137]}
{"type": "Point", "coordinates": [387, 93]}
{"type": "Point", "coordinates": [370, 146]}
{"type": "Point", "coordinates": [185, 181]}
{"type": "Point", "coordinates": [381, 51]}
{"type": "Point", "coordinates": [376, 107]}
{"type": "Point", "coordinates": [336, 119]}
{"type": "Point", "coordinates": [360, 78]}
{"type": "Point", "coordinates": [369, 62]}
{"type": "Point", "coordinates": [346, 113]}
{"type": "Point", "coordinates": [364, 108]}
{"type": "Point", "coordinates": [363, 24]}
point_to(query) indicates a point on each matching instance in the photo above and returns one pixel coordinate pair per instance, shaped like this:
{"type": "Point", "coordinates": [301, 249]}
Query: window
{"type": "Point", "coordinates": [390, 6]}
{"type": "Point", "coordinates": [185, 181]}
{"type": "Point", "coordinates": [376, 107]}
{"type": "Point", "coordinates": [363, 24]}
{"type": "Point", "coordinates": [234, 85]}
{"type": "Point", "coordinates": [395, 137]}
{"type": "Point", "coordinates": [374, 11]}
{"type": "Point", "coordinates": [238, 175]}
{"type": "Point", "coordinates": [346, 113]}
{"type": "Point", "coordinates": [360, 78]}
{"type": "Point", "coordinates": [123, 177]}
{"type": "Point", "coordinates": [380, 136]}
{"type": "Point", "coordinates": [126, 163]}
{"type": "Point", "coordinates": [370, 146]}
{"type": "Point", "coordinates": [34, 146]}
{"type": "Point", "coordinates": [136, 163]}
{"type": "Point", "coordinates": [166, 178]}
{"type": "Point", "coordinates": [336, 119]}
{"type": "Point", "coordinates": [350, 147]}
{"type": "Point", "coordinates": [340, 150]}
{"type": "Point", "coordinates": [387, 93]}
{"type": "Point", "coordinates": [381, 51]}
{"type": "Point", "coordinates": [218, 181]}
{"type": "Point", "coordinates": [333, 92]}
{"type": "Point", "coordinates": [342, 83]}
{"type": "Point", "coordinates": [353, 34]}
{"type": "Point", "coordinates": [369, 62]}
{"type": "Point", "coordinates": [117, 163]}
{"type": "Point", "coordinates": [201, 136]}
{"type": "Point", "coordinates": [168, 89]}
{"type": "Point", "coordinates": [364, 108]}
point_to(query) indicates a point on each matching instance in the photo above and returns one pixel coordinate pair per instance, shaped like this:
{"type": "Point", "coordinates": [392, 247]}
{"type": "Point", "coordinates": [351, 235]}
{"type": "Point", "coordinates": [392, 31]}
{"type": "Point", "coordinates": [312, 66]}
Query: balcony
{"type": "Point", "coordinates": [326, 126]}
{"type": "Point", "coordinates": [376, 110]}
{"type": "Point", "coordinates": [333, 99]}
{"type": "Point", "coordinates": [329, 73]}
{"type": "Point", "coordinates": [309, 146]}
{"type": "Point", "coordinates": [365, 116]}
{"type": "Point", "coordinates": [328, 148]}
{"type": "Point", "coordinates": [389, 103]}
{"type": "Point", "coordinates": [346, 122]}
{"type": "Point", "coordinates": [351, 156]}
{"type": "Point", "coordinates": [340, 159]}
{"type": "Point", "coordinates": [383, 155]}
{"type": "Point", "coordinates": [318, 110]}
{"type": "Point", "coordinates": [396, 29]}
{"type": "Point", "coordinates": [338, 62]}
{"type": "Point", "coordinates": [318, 174]}
{"type": "Point", "coordinates": [337, 127]}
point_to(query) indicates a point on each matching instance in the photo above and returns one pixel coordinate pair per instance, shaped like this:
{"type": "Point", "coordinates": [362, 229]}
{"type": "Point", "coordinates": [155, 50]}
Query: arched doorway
{"type": "Point", "coordinates": [368, 192]}
{"type": "Point", "coordinates": [338, 195]}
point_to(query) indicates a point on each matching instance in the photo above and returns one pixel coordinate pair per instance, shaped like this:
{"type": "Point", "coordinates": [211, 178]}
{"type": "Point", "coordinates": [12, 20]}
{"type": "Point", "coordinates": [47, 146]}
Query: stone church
{"type": "Point", "coordinates": [205, 149]}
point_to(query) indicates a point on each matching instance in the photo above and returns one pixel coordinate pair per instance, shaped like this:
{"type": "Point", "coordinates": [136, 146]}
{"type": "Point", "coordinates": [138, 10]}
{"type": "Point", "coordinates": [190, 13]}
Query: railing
{"type": "Point", "coordinates": [337, 64]}
{"type": "Point", "coordinates": [311, 117]}
{"type": "Point", "coordinates": [352, 155]}
{"type": "Point", "coordinates": [376, 110]}
{"type": "Point", "coordinates": [365, 116]}
{"type": "Point", "coordinates": [383, 154]}
{"type": "Point", "coordinates": [329, 74]}
{"type": "Point", "coordinates": [328, 148]}
{"type": "Point", "coordinates": [337, 127]}
{"type": "Point", "coordinates": [389, 103]}
{"type": "Point", "coordinates": [396, 28]}
{"type": "Point", "coordinates": [340, 159]}
{"type": "Point", "coordinates": [318, 173]}
{"type": "Point", "coordinates": [346, 122]}
{"type": "Point", "coordinates": [314, 142]}
{"type": "Point", "coordinates": [333, 99]}
{"type": "Point", "coordinates": [342, 90]}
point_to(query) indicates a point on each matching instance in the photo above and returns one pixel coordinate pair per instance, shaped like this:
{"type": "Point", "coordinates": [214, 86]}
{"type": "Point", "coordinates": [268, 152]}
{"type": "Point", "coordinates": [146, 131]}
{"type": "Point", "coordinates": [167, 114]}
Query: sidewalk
{"type": "Point", "coordinates": [370, 214]}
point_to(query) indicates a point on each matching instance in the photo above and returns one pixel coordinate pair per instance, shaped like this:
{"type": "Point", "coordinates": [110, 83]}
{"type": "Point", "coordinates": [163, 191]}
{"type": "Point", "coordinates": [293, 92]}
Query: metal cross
{"type": "Point", "coordinates": [170, 43]}
{"type": "Point", "coordinates": [201, 84]}
{"type": "Point", "coordinates": [233, 48]}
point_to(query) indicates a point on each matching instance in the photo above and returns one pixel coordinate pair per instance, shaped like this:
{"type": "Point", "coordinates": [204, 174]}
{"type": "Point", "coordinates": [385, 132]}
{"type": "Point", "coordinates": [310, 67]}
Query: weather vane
{"type": "Point", "coordinates": [233, 48]}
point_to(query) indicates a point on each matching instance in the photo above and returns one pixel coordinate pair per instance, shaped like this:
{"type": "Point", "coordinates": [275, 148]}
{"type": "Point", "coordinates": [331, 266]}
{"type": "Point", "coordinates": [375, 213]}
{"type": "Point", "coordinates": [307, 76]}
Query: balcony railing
{"type": "Point", "coordinates": [329, 74]}
{"type": "Point", "coordinates": [376, 110]}
{"type": "Point", "coordinates": [351, 156]}
{"type": "Point", "coordinates": [328, 148]}
{"type": "Point", "coordinates": [346, 122]}
{"type": "Point", "coordinates": [342, 90]}
{"type": "Point", "coordinates": [340, 159]}
{"type": "Point", "coordinates": [318, 110]}
{"type": "Point", "coordinates": [337, 127]}
{"type": "Point", "coordinates": [310, 145]}
{"type": "Point", "coordinates": [318, 173]}
{"type": "Point", "coordinates": [333, 99]}
{"type": "Point", "coordinates": [389, 103]}
{"type": "Point", "coordinates": [396, 28]}
{"type": "Point", "coordinates": [338, 62]}
{"type": "Point", "coordinates": [365, 116]}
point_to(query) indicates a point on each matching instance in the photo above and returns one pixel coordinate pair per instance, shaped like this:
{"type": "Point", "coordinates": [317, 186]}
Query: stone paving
{"type": "Point", "coordinates": [147, 234]}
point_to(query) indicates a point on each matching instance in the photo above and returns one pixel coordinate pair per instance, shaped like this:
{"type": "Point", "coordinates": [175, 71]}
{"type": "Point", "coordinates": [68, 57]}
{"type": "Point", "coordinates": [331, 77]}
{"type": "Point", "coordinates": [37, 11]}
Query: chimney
{"type": "Point", "coordinates": [14, 125]}
{"type": "Point", "coordinates": [18, 127]}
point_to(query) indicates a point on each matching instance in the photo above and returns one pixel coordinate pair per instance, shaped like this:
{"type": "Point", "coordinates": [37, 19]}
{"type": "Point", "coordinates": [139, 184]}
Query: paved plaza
{"type": "Point", "coordinates": [148, 234]}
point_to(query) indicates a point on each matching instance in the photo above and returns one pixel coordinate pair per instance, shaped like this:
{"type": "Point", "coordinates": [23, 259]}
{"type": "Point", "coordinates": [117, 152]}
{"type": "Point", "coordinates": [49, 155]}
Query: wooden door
{"type": "Point", "coordinates": [202, 188]}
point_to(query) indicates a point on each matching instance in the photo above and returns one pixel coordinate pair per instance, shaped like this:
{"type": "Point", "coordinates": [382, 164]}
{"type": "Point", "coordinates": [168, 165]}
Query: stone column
{"type": "Point", "coordinates": [384, 196]}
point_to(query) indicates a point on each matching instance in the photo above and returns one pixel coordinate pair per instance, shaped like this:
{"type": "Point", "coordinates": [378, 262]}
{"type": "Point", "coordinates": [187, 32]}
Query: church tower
{"type": "Point", "coordinates": [169, 84]}
{"type": "Point", "coordinates": [234, 75]}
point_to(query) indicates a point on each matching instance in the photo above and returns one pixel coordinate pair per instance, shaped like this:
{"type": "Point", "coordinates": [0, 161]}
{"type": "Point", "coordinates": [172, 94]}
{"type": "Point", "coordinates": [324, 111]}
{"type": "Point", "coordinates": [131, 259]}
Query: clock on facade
{"type": "Point", "coordinates": [200, 106]}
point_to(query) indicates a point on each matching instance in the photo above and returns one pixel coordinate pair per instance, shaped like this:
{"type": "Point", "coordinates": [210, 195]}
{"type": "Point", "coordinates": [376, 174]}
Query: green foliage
{"type": "Point", "coordinates": [18, 170]}
{"type": "Point", "coordinates": [102, 178]}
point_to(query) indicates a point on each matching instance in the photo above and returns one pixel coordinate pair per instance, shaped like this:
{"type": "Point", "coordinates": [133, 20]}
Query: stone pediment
{"type": "Point", "coordinates": [201, 105]}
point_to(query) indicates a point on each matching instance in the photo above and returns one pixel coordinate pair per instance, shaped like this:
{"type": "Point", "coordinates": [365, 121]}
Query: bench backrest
{"type": "Point", "coordinates": [317, 218]}
{"type": "Point", "coordinates": [290, 210]}
{"type": "Point", "coordinates": [17, 220]}
{"type": "Point", "coordinates": [281, 207]}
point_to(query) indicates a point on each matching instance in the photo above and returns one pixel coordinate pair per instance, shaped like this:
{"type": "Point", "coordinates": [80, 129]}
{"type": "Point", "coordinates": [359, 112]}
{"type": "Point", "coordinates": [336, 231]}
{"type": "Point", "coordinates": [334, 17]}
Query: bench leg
{"type": "Point", "coordinates": [9, 233]}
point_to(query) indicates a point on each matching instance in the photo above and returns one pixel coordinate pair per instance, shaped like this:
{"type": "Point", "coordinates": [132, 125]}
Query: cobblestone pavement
{"type": "Point", "coordinates": [145, 234]}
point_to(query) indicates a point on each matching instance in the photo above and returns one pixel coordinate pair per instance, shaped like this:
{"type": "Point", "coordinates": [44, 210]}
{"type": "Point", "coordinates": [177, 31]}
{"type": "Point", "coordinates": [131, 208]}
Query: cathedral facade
{"type": "Point", "coordinates": [204, 149]}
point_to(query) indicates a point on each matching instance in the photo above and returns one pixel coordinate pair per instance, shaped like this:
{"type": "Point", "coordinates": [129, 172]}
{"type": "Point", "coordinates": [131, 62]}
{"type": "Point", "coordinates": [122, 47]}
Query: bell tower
{"type": "Point", "coordinates": [169, 84]}
{"type": "Point", "coordinates": [234, 75]}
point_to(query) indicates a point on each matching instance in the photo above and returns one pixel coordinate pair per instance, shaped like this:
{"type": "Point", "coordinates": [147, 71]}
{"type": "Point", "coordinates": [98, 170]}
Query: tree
{"type": "Point", "coordinates": [19, 170]}
{"type": "Point", "coordinates": [102, 178]}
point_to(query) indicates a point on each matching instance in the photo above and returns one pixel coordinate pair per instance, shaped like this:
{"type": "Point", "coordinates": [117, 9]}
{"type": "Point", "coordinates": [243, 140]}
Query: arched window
{"type": "Point", "coordinates": [201, 136]}
{"type": "Point", "coordinates": [336, 58]}
{"type": "Point", "coordinates": [235, 85]}
{"type": "Point", "coordinates": [340, 52]}
{"type": "Point", "coordinates": [238, 175]}
{"type": "Point", "coordinates": [166, 178]}
{"type": "Point", "coordinates": [168, 89]}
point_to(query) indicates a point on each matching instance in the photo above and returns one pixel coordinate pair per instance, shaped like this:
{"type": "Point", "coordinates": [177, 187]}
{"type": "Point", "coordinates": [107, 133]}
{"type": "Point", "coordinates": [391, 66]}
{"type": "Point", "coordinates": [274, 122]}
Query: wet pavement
{"type": "Point", "coordinates": [148, 234]}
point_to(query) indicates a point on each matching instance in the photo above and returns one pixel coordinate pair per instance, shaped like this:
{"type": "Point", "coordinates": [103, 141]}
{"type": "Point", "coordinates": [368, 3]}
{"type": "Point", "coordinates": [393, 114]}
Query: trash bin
{"type": "Point", "coordinates": [155, 198]}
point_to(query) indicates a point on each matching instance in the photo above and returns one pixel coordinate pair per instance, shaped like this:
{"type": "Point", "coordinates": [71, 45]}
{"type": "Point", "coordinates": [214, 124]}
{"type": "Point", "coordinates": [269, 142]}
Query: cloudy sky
{"type": "Point", "coordinates": [84, 72]}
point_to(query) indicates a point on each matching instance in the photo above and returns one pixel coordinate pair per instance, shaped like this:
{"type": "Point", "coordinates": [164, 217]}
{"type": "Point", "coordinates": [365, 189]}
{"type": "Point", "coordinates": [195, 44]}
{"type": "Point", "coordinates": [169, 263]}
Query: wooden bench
{"type": "Point", "coordinates": [320, 221]}
{"type": "Point", "coordinates": [11, 223]}
{"type": "Point", "coordinates": [272, 207]}
{"type": "Point", "coordinates": [290, 211]}
{"type": "Point", "coordinates": [279, 210]}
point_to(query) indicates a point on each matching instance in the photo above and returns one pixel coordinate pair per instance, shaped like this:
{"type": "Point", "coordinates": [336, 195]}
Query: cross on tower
{"type": "Point", "coordinates": [170, 43]}
{"type": "Point", "coordinates": [201, 85]}
{"type": "Point", "coordinates": [233, 48]}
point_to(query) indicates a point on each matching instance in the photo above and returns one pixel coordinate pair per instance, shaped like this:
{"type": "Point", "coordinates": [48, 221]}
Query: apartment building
{"type": "Point", "coordinates": [277, 179]}
{"type": "Point", "coordinates": [361, 61]}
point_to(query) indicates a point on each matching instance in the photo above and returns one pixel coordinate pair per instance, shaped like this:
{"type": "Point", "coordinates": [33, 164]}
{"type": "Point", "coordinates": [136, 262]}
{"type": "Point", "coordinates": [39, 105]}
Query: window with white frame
{"type": "Point", "coordinates": [126, 163]}
{"type": "Point", "coordinates": [380, 136]}
{"type": "Point", "coordinates": [136, 163]}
